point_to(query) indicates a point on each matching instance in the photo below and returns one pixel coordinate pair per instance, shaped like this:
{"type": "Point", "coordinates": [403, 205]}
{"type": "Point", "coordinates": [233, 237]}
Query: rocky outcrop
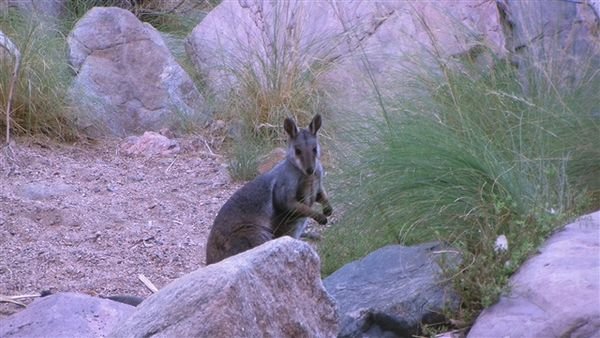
{"type": "Point", "coordinates": [348, 45]}
{"type": "Point", "coordinates": [554, 294]}
{"type": "Point", "coordinates": [265, 37]}
{"type": "Point", "coordinates": [65, 315]}
{"type": "Point", "coordinates": [340, 37]}
{"type": "Point", "coordinates": [127, 80]}
{"type": "Point", "coordinates": [414, 40]}
{"type": "Point", "coordinates": [273, 290]}
{"type": "Point", "coordinates": [42, 9]}
{"type": "Point", "coordinates": [542, 33]}
{"type": "Point", "coordinates": [392, 291]}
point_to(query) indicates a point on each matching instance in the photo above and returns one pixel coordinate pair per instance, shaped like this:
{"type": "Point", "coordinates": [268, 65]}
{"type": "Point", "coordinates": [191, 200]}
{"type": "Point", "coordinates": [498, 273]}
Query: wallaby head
{"type": "Point", "coordinates": [303, 145]}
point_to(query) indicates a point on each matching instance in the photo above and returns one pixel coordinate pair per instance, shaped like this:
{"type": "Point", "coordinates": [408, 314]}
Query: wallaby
{"type": "Point", "coordinates": [275, 203]}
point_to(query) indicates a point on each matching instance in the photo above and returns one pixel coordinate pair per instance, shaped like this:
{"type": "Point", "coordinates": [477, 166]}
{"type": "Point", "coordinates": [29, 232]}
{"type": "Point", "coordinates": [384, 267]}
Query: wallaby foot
{"type": "Point", "coordinates": [320, 218]}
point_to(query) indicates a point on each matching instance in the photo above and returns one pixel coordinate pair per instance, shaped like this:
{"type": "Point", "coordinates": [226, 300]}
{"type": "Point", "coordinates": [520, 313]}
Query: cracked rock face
{"type": "Point", "coordinates": [336, 40]}
{"type": "Point", "coordinates": [127, 80]}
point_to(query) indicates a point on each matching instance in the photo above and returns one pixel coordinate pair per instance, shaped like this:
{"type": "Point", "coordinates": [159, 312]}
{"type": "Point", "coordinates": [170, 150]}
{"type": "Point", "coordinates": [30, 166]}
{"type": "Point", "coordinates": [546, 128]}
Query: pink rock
{"type": "Point", "coordinates": [149, 144]}
{"type": "Point", "coordinates": [65, 315]}
{"type": "Point", "coordinates": [554, 294]}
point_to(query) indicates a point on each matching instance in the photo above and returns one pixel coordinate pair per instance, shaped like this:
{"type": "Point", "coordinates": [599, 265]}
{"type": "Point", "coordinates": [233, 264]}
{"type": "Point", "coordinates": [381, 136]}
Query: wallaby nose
{"type": "Point", "coordinates": [310, 170]}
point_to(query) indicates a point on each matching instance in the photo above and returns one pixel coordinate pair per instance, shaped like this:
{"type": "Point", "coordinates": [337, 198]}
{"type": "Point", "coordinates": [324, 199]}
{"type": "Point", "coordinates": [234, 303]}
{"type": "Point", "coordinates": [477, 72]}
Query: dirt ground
{"type": "Point", "coordinates": [87, 218]}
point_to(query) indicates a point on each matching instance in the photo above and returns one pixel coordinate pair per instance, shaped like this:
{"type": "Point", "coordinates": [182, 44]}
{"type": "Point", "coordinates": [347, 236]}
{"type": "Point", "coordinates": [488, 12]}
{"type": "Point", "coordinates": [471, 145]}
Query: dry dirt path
{"type": "Point", "coordinates": [86, 218]}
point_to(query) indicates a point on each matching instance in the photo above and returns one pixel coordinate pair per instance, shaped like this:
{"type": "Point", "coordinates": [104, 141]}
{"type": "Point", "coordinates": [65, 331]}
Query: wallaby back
{"type": "Point", "coordinates": [276, 203]}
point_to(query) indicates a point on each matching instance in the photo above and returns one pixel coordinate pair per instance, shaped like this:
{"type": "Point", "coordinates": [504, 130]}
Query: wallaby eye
{"type": "Point", "coordinates": [298, 151]}
{"type": "Point", "coordinates": [315, 150]}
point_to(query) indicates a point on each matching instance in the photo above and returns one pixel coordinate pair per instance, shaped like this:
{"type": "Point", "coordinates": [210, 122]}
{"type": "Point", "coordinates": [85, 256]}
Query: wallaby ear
{"type": "Point", "coordinates": [315, 124]}
{"type": "Point", "coordinates": [290, 127]}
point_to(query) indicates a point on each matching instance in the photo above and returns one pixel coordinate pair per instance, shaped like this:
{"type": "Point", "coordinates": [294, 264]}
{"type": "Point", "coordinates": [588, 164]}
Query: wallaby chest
{"type": "Point", "coordinates": [307, 189]}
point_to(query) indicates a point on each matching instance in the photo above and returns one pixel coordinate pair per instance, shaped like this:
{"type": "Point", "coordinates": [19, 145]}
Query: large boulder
{"type": "Point", "coordinates": [257, 38]}
{"type": "Point", "coordinates": [554, 294]}
{"type": "Point", "coordinates": [392, 291]}
{"type": "Point", "coordinates": [336, 40]}
{"type": "Point", "coordinates": [65, 315]}
{"type": "Point", "coordinates": [127, 79]}
{"type": "Point", "coordinates": [273, 290]}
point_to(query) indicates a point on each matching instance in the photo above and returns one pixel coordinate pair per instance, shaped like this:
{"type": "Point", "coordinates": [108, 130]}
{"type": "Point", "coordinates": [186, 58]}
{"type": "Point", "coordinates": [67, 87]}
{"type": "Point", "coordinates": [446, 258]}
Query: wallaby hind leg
{"type": "Point", "coordinates": [242, 239]}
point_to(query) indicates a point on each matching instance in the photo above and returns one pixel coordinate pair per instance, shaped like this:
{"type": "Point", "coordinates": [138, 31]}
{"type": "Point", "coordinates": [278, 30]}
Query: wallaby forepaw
{"type": "Point", "coordinates": [327, 210]}
{"type": "Point", "coordinates": [321, 219]}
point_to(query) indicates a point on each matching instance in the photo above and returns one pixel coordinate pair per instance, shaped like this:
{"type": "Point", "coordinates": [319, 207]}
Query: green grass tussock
{"type": "Point", "coordinates": [39, 101]}
{"type": "Point", "coordinates": [475, 157]}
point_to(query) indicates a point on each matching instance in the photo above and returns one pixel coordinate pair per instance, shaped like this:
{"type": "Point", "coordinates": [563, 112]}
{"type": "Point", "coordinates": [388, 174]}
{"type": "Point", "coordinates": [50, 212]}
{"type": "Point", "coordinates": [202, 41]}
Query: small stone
{"type": "Point", "coordinates": [501, 244]}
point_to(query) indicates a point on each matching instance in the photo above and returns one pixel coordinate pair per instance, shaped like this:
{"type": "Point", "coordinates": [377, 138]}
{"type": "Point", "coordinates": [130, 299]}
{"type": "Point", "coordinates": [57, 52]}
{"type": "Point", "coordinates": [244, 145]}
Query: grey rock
{"type": "Point", "coordinates": [554, 294]}
{"type": "Point", "coordinates": [45, 190]}
{"type": "Point", "coordinates": [127, 79]}
{"type": "Point", "coordinates": [65, 315]}
{"type": "Point", "coordinates": [273, 290]}
{"type": "Point", "coordinates": [392, 291]}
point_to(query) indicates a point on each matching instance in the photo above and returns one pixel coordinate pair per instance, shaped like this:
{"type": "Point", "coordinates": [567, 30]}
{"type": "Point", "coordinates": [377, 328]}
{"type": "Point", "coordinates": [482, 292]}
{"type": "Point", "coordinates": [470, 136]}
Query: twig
{"type": "Point", "coordinates": [13, 299]}
{"type": "Point", "coordinates": [33, 295]}
{"type": "Point", "coordinates": [208, 147]}
{"type": "Point", "coordinates": [4, 299]}
{"type": "Point", "coordinates": [148, 283]}
{"type": "Point", "coordinates": [12, 49]}
{"type": "Point", "coordinates": [170, 165]}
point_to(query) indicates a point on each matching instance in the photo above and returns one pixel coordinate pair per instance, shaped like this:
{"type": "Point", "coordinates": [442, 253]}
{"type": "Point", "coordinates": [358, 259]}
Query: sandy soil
{"type": "Point", "coordinates": [87, 218]}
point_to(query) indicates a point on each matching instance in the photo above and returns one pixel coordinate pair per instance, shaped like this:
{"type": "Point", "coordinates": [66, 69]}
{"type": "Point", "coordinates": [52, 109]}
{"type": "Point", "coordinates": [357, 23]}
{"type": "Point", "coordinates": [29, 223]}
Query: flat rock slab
{"type": "Point", "coordinates": [45, 190]}
{"type": "Point", "coordinates": [554, 294]}
{"type": "Point", "coordinates": [65, 315]}
{"type": "Point", "coordinates": [392, 291]}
